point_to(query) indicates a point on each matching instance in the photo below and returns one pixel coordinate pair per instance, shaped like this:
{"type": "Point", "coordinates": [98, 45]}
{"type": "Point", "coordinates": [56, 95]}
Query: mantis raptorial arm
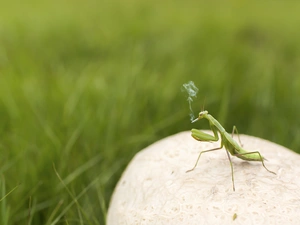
{"type": "Point", "coordinates": [201, 136]}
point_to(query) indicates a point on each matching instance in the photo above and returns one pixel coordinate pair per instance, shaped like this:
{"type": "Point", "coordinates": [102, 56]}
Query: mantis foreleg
{"type": "Point", "coordinates": [261, 159]}
{"type": "Point", "coordinates": [201, 136]}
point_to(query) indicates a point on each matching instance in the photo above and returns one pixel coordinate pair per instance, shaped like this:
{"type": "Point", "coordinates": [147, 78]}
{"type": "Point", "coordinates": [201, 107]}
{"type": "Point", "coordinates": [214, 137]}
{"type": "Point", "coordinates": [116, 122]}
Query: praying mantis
{"type": "Point", "coordinates": [227, 141]}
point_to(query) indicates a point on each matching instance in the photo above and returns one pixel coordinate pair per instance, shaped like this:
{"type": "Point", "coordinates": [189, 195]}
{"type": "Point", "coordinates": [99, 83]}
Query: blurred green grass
{"type": "Point", "coordinates": [86, 85]}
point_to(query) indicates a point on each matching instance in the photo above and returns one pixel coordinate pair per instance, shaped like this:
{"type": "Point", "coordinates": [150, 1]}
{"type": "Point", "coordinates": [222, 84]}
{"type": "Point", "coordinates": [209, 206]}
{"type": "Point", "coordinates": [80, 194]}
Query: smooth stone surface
{"type": "Point", "coordinates": [155, 188]}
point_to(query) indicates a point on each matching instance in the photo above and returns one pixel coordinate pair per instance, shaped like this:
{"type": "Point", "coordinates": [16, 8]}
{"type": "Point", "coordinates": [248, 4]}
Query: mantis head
{"type": "Point", "coordinates": [202, 114]}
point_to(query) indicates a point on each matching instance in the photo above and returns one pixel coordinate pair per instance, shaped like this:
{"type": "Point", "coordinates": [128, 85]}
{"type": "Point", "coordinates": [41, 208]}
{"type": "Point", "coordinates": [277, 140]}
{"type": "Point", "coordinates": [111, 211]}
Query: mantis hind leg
{"type": "Point", "coordinates": [261, 159]}
{"type": "Point", "coordinates": [234, 130]}
{"type": "Point", "coordinates": [214, 149]}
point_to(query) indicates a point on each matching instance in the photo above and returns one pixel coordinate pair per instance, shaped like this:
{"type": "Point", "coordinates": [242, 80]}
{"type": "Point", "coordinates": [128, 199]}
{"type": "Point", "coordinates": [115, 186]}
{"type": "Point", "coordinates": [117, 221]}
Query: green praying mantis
{"type": "Point", "coordinates": [227, 141]}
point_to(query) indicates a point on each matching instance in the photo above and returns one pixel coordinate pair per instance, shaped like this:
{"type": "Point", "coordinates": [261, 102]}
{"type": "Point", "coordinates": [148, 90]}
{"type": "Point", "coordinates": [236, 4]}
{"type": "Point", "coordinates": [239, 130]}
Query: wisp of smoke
{"type": "Point", "coordinates": [192, 91]}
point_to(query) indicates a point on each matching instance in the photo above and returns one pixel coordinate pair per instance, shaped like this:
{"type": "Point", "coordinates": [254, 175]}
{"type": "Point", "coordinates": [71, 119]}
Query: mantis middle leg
{"type": "Point", "coordinates": [214, 149]}
{"type": "Point", "coordinates": [234, 129]}
{"type": "Point", "coordinates": [201, 136]}
{"type": "Point", "coordinates": [231, 166]}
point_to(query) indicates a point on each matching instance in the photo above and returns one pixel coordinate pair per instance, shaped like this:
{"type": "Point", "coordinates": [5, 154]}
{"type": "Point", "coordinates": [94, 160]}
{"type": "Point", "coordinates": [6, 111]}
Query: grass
{"type": "Point", "coordinates": [86, 85]}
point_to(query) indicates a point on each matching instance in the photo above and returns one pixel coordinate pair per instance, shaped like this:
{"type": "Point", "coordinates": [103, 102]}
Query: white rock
{"type": "Point", "coordinates": [155, 188]}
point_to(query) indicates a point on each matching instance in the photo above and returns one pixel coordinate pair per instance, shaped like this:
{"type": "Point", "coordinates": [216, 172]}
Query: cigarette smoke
{"type": "Point", "coordinates": [192, 91]}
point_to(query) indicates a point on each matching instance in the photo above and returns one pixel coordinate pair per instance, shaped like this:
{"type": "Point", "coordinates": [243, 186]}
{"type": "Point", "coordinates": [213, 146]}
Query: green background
{"type": "Point", "coordinates": [84, 85]}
